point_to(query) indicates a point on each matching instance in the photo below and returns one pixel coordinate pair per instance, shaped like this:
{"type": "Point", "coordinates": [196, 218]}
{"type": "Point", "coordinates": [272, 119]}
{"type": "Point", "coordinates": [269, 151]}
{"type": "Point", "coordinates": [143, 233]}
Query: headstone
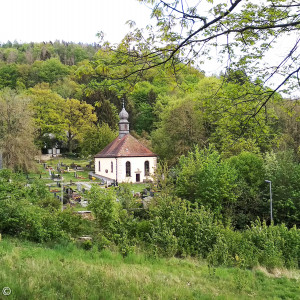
{"type": "Point", "coordinates": [84, 203]}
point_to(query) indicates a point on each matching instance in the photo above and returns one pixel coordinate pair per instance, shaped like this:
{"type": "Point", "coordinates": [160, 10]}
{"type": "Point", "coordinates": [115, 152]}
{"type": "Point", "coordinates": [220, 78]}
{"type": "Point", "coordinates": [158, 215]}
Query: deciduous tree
{"type": "Point", "coordinates": [80, 118]}
{"type": "Point", "coordinates": [16, 131]}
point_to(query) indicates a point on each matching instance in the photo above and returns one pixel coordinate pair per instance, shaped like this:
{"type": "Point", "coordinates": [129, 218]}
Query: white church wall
{"type": "Point", "coordinates": [105, 167]}
{"type": "Point", "coordinates": [137, 167]}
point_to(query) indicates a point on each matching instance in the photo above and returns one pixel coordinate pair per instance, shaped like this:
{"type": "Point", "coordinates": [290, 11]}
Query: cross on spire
{"type": "Point", "coordinates": [123, 103]}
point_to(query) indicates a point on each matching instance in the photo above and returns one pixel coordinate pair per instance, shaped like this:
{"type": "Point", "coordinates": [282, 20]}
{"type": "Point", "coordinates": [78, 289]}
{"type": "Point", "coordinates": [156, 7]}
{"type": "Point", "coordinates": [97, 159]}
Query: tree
{"type": "Point", "coordinates": [239, 32]}
{"type": "Point", "coordinates": [8, 76]}
{"type": "Point", "coordinates": [16, 131]}
{"type": "Point", "coordinates": [96, 138]}
{"type": "Point", "coordinates": [250, 203]}
{"type": "Point", "coordinates": [180, 129]}
{"type": "Point", "coordinates": [105, 104]}
{"type": "Point", "coordinates": [50, 71]}
{"type": "Point", "coordinates": [48, 115]}
{"type": "Point", "coordinates": [80, 118]}
{"type": "Point", "coordinates": [288, 122]}
{"type": "Point", "coordinates": [202, 177]}
{"type": "Point", "coordinates": [213, 112]}
{"type": "Point", "coordinates": [67, 88]}
{"type": "Point", "coordinates": [284, 172]}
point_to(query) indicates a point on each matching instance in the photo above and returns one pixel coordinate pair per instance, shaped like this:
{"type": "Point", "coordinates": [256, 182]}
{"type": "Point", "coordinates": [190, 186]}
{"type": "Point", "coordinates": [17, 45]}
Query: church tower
{"type": "Point", "coordinates": [123, 124]}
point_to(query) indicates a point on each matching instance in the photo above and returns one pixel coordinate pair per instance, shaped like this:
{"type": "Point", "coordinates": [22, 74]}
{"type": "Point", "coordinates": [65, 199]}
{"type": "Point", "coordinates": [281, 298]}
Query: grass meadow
{"type": "Point", "coordinates": [36, 271]}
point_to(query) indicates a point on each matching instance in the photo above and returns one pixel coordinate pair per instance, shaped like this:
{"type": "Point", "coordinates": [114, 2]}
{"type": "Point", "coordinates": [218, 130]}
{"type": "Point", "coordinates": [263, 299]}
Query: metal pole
{"type": "Point", "coordinates": [271, 206]}
{"type": "Point", "coordinates": [62, 196]}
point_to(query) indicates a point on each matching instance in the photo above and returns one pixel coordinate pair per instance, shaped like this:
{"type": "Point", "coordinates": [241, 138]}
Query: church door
{"type": "Point", "coordinates": [137, 178]}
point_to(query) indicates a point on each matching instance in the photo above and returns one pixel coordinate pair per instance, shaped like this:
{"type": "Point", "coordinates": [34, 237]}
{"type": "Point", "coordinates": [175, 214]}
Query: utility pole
{"type": "Point", "coordinates": [271, 208]}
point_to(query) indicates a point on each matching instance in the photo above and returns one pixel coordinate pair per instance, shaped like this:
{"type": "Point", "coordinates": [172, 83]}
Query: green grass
{"type": "Point", "coordinates": [138, 187]}
{"type": "Point", "coordinates": [35, 271]}
{"type": "Point", "coordinates": [68, 161]}
{"type": "Point", "coordinates": [82, 176]}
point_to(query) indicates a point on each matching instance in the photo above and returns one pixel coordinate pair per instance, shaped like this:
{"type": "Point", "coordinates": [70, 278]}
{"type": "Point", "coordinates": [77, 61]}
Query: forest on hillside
{"type": "Point", "coordinates": [68, 96]}
{"type": "Point", "coordinates": [170, 109]}
{"type": "Point", "coordinates": [221, 140]}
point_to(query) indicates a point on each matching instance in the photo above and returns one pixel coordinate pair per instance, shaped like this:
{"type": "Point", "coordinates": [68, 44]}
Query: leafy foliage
{"type": "Point", "coordinates": [203, 178]}
{"type": "Point", "coordinates": [28, 211]}
{"type": "Point", "coordinates": [16, 131]}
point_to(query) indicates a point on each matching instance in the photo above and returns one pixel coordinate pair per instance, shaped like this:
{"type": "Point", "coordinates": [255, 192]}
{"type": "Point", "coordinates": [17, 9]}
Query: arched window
{"type": "Point", "coordinates": [99, 166]}
{"type": "Point", "coordinates": [128, 169]}
{"type": "Point", "coordinates": [111, 167]}
{"type": "Point", "coordinates": [147, 168]}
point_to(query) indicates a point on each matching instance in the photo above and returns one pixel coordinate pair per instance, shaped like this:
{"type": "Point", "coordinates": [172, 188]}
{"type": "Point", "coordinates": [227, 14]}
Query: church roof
{"type": "Point", "coordinates": [126, 146]}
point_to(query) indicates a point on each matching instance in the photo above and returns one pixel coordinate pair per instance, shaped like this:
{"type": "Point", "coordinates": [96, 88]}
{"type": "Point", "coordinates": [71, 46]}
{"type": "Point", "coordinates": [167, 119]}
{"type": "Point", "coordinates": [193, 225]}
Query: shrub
{"type": "Point", "coordinates": [269, 246]}
{"type": "Point", "coordinates": [105, 208]}
{"type": "Point", "coordinates": [203, 178]}
{"type": "Point", "coordinates": [87, 245]}
{"type": "Point", "coordinates": [178, 227]}
{"type": "Point", "coordinates": [22, 218]}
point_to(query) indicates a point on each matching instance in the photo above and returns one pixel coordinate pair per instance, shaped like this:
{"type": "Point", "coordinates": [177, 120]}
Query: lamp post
{"type": "Point", "coordinates": [271, 212]}
{"type": "Point", "coordinates": [62, 195]}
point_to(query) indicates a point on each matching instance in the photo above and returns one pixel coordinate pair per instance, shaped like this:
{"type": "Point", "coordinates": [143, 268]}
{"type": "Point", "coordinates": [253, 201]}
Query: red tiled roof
{"type": "Point", "coordinates": [127, 146]}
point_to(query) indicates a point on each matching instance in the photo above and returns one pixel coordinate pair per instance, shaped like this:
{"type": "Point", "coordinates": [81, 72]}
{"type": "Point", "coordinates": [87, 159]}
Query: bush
{"type": "Point", "coordinates": [203, 178]}
{"type": "Point", "coordinates": [269, 246]}
{"type": "Point", "coordinates": [87, 245]}
{"type": "Point", "coordinates": [31, 212]}
{"type": "Point", "coordinates": [105, 208]}
{"type": "Point", "coordinates": [177, 227]}
{"type": "Point", "coordinates": [22, 218]}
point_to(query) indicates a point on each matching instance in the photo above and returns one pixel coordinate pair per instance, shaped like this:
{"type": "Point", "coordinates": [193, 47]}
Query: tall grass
{"type": "Point", "coordinates": [35, 271]}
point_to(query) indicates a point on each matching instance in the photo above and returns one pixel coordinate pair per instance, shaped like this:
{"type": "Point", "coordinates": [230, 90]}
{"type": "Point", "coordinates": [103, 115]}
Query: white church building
{"type": "Point", "coordinates": [125, 159]}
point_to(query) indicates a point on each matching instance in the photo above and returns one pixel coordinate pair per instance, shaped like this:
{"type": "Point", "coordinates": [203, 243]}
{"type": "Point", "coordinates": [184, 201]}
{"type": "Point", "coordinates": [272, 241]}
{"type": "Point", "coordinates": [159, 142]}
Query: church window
{"type": "Point", "coordinates": [128, 169]}
{"type": "Point", "coordinates": [99, 166]}
{"type": "Point", "coordinates": [111, 167]}
{"type": "Point", "coordinates": [147, 168]}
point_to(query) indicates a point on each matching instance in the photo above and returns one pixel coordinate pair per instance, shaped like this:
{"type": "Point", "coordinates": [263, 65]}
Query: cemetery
{"type": "Point", "coordinates": [70, 179]}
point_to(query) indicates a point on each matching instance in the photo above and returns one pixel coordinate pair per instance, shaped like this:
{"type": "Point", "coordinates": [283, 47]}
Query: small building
{"type": "Point", "coordinates": [125, 159]}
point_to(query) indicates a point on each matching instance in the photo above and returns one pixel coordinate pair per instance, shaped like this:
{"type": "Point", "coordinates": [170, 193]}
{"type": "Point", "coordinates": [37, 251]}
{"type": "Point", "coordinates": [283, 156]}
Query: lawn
{"type": "Point", "coordinates": [34, 271]}
{"type": "Point", "coordinates": [71, 175]}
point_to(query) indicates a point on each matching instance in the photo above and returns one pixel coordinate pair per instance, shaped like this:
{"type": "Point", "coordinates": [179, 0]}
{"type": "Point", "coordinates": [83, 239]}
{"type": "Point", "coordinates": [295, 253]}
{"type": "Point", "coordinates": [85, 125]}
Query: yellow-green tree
{"type": "Point", "coordinates": [48, 115]}
{"type": "Point", "coordinates": [80, 118]}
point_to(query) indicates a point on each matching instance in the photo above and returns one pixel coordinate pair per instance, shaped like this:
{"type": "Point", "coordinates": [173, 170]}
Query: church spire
{"type": "Point", "coordinates": [123, 124]}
